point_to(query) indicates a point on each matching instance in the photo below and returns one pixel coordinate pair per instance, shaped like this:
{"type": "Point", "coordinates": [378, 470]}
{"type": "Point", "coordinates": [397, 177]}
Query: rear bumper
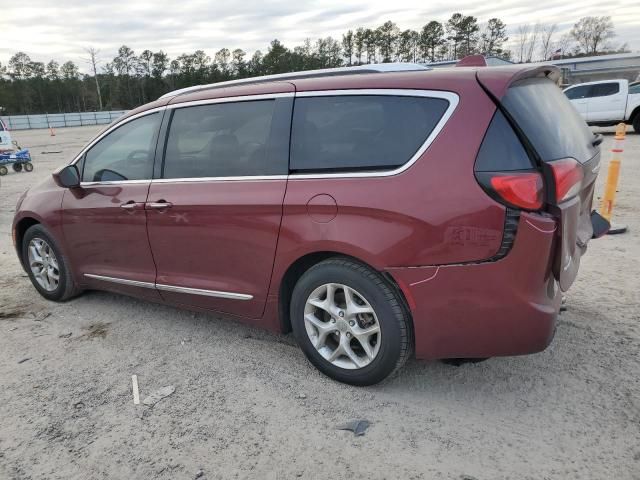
{"type": "Point", "coordinates": [507, 307]}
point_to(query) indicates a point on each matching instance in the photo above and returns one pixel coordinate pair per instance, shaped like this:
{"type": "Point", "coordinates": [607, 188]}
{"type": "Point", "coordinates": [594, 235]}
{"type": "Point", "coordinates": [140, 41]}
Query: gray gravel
{"type": "Point", "coordinates": [248, 405]}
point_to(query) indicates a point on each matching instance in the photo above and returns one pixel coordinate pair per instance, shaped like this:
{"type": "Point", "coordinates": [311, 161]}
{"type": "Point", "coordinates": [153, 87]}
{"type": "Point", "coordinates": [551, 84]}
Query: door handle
{"type": "Point", "coordinates": [159, 205]}
{"type": "Point", "coordinates": [130, 205]}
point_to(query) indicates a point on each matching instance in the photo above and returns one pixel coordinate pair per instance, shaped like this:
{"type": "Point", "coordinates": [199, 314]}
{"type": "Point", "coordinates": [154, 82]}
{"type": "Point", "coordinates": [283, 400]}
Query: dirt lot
{"type": "Point", "coordinates": [248, 405]}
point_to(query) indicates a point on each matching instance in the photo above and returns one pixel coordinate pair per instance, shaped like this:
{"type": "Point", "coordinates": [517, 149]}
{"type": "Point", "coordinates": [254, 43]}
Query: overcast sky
{"type": "Point", "coordinates": [60, 29]}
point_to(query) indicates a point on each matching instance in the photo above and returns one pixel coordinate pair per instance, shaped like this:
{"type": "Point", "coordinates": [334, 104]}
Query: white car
{"type": "Point", "coordinates": [5, 138]}
{"type": "Point", "coordinates": [607, 102]}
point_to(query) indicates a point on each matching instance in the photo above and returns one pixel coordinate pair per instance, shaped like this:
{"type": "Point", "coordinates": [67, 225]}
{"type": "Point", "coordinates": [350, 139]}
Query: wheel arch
{"type": "Point", "coordinates": [298, 267]}
{"type": "Point", "coordinates": [19, 230]}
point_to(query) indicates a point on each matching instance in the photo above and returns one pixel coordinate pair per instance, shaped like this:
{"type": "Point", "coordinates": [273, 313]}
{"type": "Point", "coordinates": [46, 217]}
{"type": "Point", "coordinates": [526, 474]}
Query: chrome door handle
{"type": "Point", "coordinates": [159, 205]}
{"type": "Point", "coordinates": [129, 205]}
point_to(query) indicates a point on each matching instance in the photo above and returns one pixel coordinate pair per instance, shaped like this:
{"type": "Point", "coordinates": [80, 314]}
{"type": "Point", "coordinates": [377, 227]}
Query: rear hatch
{"type": "Point", "coordinates": [562, 148]}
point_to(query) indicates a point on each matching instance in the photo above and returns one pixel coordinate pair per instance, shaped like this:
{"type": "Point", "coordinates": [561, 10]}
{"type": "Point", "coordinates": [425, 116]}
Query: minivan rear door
{"type": "Point", "coordinates": [568, 154]}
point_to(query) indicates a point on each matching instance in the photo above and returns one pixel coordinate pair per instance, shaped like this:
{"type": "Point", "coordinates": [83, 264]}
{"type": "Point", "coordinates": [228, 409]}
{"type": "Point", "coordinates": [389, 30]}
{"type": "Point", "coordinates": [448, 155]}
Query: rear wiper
{"type": "Point", "coordinates": [597, 140]}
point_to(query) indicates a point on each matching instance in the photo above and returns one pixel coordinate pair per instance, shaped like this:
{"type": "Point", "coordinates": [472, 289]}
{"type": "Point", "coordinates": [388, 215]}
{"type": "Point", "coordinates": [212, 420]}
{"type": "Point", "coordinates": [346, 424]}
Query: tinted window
{"type": "Point", "coordinates": [577, 92]}
{"type": "Point", "coordinates": [350, 132]}
{"type": "Point", "coordinates": [634, 88]}
{"type": "Point", "coordinates": [220, 140]}
{"type": "Point", "coordinates": [124, 154]}
{"type": "Point", "coordinates": [501, 150]}
{"type": "Point", "coordinates": [554, 128]}
{"type": "Point", "coordinates": [604, 89]}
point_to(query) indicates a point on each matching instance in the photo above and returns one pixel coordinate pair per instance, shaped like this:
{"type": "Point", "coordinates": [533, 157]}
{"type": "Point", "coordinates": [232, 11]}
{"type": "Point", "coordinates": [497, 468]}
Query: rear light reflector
{"type": "Point", "coordinates": [567, 176]}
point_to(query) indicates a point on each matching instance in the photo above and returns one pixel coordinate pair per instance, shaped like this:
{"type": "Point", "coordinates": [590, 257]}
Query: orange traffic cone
{"type": "Point", "coordinates": [52, 131]}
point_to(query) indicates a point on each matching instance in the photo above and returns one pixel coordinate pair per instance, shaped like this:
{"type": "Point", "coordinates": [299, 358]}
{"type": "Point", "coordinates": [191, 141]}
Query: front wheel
{"type": "Point", "coordinates": [28, 167]}
{"type": "Point", "coordinates": [350, 323]}
{"type": "Point", "coordinates": [46, 266]}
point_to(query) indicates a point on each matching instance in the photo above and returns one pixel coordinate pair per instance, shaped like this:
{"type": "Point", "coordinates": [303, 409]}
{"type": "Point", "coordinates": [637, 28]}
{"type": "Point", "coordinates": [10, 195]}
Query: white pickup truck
{"type": "Point", "coordinates": [607, 102]}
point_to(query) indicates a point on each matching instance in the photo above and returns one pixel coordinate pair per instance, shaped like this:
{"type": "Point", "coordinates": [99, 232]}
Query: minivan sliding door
{"type": "Point", "coordinates": [214, 215]}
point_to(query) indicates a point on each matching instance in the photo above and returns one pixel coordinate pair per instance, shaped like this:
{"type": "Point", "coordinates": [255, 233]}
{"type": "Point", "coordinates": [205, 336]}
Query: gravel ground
{"type": "Point", "coordinates": [248, 405]}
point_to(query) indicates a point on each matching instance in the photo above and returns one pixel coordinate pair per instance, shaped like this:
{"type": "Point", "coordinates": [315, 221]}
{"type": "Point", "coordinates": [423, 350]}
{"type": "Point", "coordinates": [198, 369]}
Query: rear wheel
{"type": "Point", "coordinates": [17, 167]}
{"type": "Point", "coordinates": [636, 123]}
{"type": "Point", "coordinates": [3, 170]}
{"type": "Point", "coordinates": [46, 266]}
{"type": "Point", "coordinates": [350, 323]}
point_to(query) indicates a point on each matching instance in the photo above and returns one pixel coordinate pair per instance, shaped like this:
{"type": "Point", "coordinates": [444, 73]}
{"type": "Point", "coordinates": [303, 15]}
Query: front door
{"type": "Point", "coordinates": [104, 221]}
{"type": "Point", "coordinates": [578, 96]}
{"type": "Point", "coordinates": [214, 215]}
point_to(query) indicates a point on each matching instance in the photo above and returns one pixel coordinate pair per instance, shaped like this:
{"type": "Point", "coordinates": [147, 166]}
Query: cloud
{"type": "Point", "coordinates": [62, 29]}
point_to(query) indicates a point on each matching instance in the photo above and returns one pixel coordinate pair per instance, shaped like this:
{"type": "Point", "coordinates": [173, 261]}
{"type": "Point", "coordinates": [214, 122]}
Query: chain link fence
{"type": "Point", "coordinates": [59, 120]}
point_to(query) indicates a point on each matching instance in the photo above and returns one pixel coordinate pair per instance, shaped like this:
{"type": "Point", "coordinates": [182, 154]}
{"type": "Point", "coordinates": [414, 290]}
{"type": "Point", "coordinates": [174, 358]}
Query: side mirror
{"type": "Point", "coordinates": [67, 177]}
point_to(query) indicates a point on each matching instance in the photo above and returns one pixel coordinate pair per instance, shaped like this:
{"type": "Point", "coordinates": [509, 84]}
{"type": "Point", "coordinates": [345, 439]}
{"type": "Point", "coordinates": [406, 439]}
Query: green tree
{"type": "Point", "coordinates": [431, 39]}
{"type": "Point", "coordinates": [493, 37]}
{"type": "Point", "coordinates": [387, 40]}
{"type": "Point", "coordinates": [348, 46]}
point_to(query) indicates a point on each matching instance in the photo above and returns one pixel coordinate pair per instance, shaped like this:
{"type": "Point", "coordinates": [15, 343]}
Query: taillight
{"type": "Point", "coordinates": [522, 190]}
{"type": "Point", "coordinates": [567, 176]}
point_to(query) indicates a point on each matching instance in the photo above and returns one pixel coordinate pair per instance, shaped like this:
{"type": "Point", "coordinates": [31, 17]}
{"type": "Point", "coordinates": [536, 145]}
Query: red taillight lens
{"type": "Point", "coordinates": [567, 175]}
{"type": "Point", "coordinates": [520, 189]}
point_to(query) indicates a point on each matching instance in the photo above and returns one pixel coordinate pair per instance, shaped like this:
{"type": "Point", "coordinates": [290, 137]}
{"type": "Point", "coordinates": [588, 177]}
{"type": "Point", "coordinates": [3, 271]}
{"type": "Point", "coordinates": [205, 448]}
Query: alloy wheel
{"type": "Point", "coordinates": [44, 264]}
{"type": "Point", "coordinates": [342, 326]}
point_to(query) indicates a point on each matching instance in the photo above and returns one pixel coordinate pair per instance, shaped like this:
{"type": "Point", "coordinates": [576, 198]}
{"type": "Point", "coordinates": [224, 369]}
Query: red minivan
{"type": "Point", "coordinates": [377, 215]}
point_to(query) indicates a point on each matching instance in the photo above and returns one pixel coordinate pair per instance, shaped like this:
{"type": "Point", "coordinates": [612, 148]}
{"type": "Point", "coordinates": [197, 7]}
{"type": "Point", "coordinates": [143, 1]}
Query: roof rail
{"type": "Point", "coordinates": [325, 72]}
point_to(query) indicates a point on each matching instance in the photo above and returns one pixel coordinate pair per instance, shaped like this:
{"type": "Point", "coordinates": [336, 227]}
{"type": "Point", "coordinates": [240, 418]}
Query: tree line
{"type": "Point", "coordinates": [129, 80]}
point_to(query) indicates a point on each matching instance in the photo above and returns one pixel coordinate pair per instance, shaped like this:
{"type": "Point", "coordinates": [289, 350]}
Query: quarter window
{"type": "Point", "coordinates": [360, 132]}
{"type": "Point", "coordinates": [221, 140]}
{"type": "Point", "coordinates": [124, 154]}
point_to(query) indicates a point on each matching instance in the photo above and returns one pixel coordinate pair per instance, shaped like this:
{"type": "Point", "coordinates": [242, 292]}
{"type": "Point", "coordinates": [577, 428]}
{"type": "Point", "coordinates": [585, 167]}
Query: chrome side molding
{"type": "Point", "coordinates": [207, 293]}
{"type": "Point", "coordinates": [123, 281]}
{"type": "Point", "coordinates": [172, 288]}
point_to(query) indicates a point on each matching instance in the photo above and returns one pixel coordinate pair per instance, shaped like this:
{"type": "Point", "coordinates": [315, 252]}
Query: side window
{"type": "Point", "coordinates": [577, 92]}
{"type": "Point", "coordinates": [360, 132]}
{"type": "Point", "coordinates": [221, 140]}
{"type": "Point", "coordinates": [633, 89]}
{"type": "Point", "coordinates": [501, 149]}
{"type": "Point", "coordinates": [124, 154]}
{"type": "Point", "coordinates": [604, 89]}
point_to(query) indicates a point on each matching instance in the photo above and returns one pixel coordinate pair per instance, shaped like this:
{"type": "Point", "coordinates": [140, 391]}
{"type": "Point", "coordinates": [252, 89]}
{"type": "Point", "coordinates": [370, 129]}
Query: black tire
{"type": "Point", "coordinates": [3, 171]}
{"type": "Point", "coordinates": [636, 123]}
{"type": "Point", "coordinates": [17, 167]}
{"type": "Point", "coordinates": [28, 167]}
{"type": "Point", "coordinates": [66, 288]}
{"type": "Point", "coordinates": [396, 342]}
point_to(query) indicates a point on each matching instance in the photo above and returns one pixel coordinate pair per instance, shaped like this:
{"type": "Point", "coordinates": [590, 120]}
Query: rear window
{"type": "Point", "coordinates": [554, 128]}
{"type": "Point", "coordinates": [360, 132]}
